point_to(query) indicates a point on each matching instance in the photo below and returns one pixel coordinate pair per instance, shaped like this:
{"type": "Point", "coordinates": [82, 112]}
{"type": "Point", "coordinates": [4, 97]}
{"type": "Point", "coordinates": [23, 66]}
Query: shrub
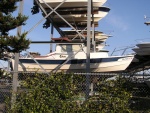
{"type": "Point", "coordinates": [59, 93]}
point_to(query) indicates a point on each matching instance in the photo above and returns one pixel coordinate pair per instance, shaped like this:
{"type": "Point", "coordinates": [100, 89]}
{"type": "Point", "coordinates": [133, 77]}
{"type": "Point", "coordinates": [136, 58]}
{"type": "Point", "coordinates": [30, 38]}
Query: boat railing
{"type": "Point", "coordinates": [122, 51]}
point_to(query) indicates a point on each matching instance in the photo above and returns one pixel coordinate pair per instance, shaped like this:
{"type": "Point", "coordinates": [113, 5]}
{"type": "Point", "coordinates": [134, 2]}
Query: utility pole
{"type": "Point", "coordinates": [88, 49]}
{"type": "Point", "coordinates": [52, 31]}
{"type": "Point", "coordinates": [15, 73]}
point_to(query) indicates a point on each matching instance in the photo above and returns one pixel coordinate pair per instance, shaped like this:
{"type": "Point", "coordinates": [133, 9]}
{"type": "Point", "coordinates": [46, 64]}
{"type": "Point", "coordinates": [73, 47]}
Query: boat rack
{"type": "Point", "coordinates": [48, 12]}
{"type": "Point", "coordinates": [47, 15]}
{"type": "Point", "coordinates": [58, 10]}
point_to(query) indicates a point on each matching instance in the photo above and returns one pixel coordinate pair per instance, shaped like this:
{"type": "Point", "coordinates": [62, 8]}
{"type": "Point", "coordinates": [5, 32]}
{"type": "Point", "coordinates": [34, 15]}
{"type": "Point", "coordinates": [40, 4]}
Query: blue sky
{"type": "Point", "coordinates": [125, 22]}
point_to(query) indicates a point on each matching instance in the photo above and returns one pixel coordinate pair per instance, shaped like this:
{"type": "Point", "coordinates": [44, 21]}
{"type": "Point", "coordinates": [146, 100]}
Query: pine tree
{"type": "Point", "coordinates": [9, 43]}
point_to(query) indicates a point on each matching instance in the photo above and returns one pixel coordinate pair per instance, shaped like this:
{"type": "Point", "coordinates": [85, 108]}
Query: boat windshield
{"type": "Point", "coordinates": [70, 48]}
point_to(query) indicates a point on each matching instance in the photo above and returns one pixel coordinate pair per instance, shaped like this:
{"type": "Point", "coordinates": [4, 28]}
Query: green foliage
{"type": "Point", "coordinates": [4, 74]}
{"type": "Point", "coordinates": [35, 8]}
{"type": "Point", "coordinates": [112, 97]}
{"type": "Point", "coordinates": [7, 6]}
{"type": "Point", "coordinates": [1, 73]}
{"type": "Point", "coordinates": [14, 43]}
{"type": "Point", "coordinates": [8, 22]}
{"type": "Point", "coordinates": [50, 94]}
{"type": "Point", "coordinates": [58, 93]}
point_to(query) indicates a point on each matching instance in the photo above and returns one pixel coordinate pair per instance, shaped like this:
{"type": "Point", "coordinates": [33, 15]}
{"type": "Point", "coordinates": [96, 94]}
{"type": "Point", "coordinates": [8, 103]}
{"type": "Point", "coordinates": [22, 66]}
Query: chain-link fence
{"type": "Point", "coordinates": [97, 85]}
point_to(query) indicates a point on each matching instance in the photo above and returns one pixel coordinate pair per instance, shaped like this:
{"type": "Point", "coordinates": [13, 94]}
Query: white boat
{"type": "Point", "coordinates": [99, 47]}
{"type": "Point", "coordinates": [103, 11]}
{"type": "Point", "coordinates": [143, 45]}
{"type": "Point", "coordinates": [142, 51]}
{"type": "Point", "coordinates": [84, 32]}
{"type": "Point", "coordinates": [70, 3]}
{"type": "Point", "coordinates": [99, 61]}
{"type": "Point", "coordinates": [99, 36]}
{"type": "Point", "coordinates": [102, 37]}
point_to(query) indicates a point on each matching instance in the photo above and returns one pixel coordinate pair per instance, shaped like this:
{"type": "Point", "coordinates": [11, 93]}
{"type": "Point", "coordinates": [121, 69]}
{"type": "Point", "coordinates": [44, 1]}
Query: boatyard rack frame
{"type": "Point", "coordinates": [47, 16]}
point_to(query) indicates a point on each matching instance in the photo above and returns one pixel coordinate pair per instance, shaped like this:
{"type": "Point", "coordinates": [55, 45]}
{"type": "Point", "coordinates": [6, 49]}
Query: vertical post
{"type": "Point", "coordinates": [15, 75]}
{"type": "Point", "coordinates": [93, 37]}
{"type": "Point", "coordinates": [88, 49]}
{"type": "Point", "coordinates": [93, 27]}
{"type": "Point", "coordinates": [52, 31]}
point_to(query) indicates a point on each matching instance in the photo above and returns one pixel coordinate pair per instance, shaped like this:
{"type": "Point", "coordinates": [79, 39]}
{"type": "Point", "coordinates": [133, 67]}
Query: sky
{"type": "Point", "coordinates": [125, 22]}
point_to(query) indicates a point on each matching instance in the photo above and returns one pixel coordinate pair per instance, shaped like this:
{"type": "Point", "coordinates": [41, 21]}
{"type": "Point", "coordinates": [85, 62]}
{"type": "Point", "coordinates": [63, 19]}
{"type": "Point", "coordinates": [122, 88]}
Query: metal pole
{"type": "Point", "coordinates": [93, 27]}
{"type": "Point", "coordinates": [52, 31]}
{"type": "Point", "coordinates": [93, 37]}
{"type": "Point", "coordinates": [15, 75]}
{"type": "Point", "coordinates": [88, 49]}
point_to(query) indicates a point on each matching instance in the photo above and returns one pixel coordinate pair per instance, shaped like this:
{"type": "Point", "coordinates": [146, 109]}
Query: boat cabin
{"type": "Point", "coordinates": [69, 47]}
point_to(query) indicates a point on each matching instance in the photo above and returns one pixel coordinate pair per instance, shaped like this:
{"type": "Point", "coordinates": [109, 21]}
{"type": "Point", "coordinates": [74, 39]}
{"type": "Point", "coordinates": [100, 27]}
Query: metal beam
{"type": "Point", "coordinates": [54, 10]}
{"type": "Point", "coordinates": [58, 42]}
{"type": "Point", "coordinates": [88, 49]}
{"type": "Point", "coordinates": [69, 58]}
{"type": "Point", "coordinates": [49, 18]}
{"type": "Point", "coordinates": [15, 74]}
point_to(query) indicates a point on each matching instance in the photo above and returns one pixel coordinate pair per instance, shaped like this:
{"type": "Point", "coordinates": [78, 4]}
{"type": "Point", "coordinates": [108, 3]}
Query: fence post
{"type": "Point", "coordinates": [15, 74]}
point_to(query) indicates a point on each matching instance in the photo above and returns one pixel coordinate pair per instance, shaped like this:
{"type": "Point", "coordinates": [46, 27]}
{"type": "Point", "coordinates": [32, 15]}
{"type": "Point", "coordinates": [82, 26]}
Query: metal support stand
{"type": "Point", "coordinates": [93, 38]}
{"type": "Point", "coordinates": [69, 58]}
{"type": "Point", "coordinates": [38, 63]}
{"type": "Point", "coordinates": [88, 49]}
{"type": "Point", "coordinates": [15, 79]}
{"type": "Point", "coordinates": [52, 31]}
{"type": "Point", "coordinates": [93, 27]}
{"type": "Point", "coordinates": [47, 16]}
{"type": "Point", "coordinates": [15, 75]}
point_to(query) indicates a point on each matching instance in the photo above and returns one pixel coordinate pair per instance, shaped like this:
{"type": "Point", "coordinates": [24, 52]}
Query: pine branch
{"type": "Point", "coordinates": [9, 22]}
{"type": "Point", "coordinates": [13, 44]}
{"type": "Point", "coordinates": [8, 6]}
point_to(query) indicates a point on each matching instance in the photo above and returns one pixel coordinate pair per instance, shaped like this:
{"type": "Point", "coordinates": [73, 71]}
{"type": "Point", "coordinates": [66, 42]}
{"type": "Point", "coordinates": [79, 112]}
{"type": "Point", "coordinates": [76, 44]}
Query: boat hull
{"type": "Point", "coordinates": [75, 19]}
{"type": "Point", "coordinates": [109, 64]}
{"type": "Point", "coordinates": [81, 17]}
{"type": "Point", "coordinates": [143, 45]}
{"type": "Point", "coordinates": [71, 3]}
{"type": "Point", "coordinates": [142, 51]}
{"type": "Point", "coordinates": [101, 38]}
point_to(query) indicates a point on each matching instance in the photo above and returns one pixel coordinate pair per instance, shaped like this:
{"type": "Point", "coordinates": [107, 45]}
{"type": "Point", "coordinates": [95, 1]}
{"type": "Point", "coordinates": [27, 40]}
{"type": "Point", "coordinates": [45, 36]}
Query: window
{"type": "Point", "coordinates": [70, 48]}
